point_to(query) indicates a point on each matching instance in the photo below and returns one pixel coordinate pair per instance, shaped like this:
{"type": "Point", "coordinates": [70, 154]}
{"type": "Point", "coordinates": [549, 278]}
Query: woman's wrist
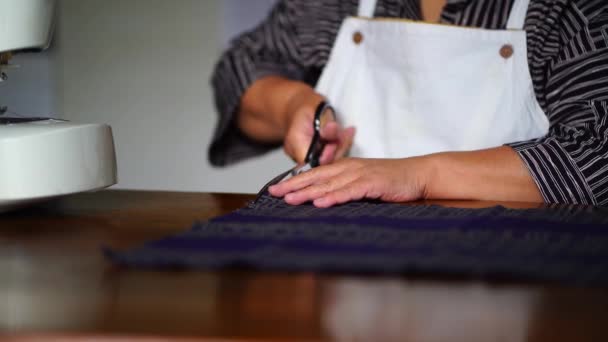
{"type": "Point", "coordinates": [267, 107]}
{"type": "Point", "coordinates": [427, 174]}
{"type": "Point", "coordinates": [443, 179]}
{"type": "Point", "coordinates": [301, 97]}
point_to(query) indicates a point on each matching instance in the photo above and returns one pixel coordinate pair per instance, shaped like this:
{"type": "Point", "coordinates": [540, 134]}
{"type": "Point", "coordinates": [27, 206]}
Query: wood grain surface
{"type": "Point", "coordinates": [55, 285]}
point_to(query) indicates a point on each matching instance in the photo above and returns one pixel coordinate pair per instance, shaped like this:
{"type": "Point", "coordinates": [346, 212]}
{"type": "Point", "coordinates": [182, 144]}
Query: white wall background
{"type": "Point", "coordinates": [143, 66]}
{"type": "Point", "coordinates": [30, 89]}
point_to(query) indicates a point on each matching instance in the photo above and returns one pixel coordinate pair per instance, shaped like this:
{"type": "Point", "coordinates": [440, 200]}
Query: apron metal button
{"type": "Point", "coordinates": [506, 51]}
{"type": "Point", "coordinates": [357, 37]}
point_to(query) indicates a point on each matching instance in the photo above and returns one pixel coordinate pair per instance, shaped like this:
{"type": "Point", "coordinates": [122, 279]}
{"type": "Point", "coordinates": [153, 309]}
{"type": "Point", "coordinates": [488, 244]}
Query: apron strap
{"type": "Point", "coordinates": [366, 8]}
{"type": "Point", "coordinates": [517, 17]}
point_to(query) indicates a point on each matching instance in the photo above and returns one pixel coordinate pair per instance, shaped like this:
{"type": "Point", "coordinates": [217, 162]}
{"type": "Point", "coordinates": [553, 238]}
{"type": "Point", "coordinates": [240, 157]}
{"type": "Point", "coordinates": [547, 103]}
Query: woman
{"type": "Point", "coordinates": [509, 101]}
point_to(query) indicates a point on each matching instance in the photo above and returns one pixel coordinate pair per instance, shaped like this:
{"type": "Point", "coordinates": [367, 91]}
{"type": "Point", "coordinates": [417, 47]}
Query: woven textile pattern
{"type": "Point", "coordinates": [562, 243]}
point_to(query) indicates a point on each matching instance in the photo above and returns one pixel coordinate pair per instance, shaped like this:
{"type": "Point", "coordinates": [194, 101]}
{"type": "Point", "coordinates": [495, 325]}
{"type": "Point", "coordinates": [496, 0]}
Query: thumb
{"type": "Point", "coordinates": [296, 147]}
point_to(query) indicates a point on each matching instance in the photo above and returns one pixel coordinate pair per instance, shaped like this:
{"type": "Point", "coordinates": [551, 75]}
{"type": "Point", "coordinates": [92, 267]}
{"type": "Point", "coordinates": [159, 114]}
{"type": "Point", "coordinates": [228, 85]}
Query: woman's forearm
{"type": "Point", "coordinates": [265, 107]}
{"type": "Point", "coordinates": [495, 174]}
{"type": "Point", "coordinates": [492, 174]}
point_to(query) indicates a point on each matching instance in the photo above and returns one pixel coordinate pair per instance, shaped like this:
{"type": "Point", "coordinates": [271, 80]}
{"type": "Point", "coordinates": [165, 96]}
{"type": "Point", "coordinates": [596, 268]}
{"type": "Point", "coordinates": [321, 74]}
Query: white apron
{"type": "Point", "coordinates": [414, 88]}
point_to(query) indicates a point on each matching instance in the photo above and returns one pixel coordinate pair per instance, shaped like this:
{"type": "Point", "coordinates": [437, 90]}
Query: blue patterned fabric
{"type": "Point", "coordinates": [562, 243]}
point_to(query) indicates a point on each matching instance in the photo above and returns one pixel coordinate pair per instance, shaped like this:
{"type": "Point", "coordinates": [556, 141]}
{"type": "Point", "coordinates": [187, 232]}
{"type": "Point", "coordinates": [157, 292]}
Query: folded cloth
{"type": "Point", "coordinates": [561, 243]}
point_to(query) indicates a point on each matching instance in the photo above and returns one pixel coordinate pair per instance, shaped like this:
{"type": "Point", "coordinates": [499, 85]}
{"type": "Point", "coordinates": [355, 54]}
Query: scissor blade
{"type": "Point", "coordinates": [296, 171]}
{"type": "Point", "coordinates": [273, 181]}
{"type": "Point", "coordinates": [283, 177]}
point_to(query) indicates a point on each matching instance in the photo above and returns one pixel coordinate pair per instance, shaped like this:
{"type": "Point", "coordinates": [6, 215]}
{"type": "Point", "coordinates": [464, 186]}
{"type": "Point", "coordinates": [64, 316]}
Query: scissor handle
{"type": "Point", "coordinates": [317, 144]}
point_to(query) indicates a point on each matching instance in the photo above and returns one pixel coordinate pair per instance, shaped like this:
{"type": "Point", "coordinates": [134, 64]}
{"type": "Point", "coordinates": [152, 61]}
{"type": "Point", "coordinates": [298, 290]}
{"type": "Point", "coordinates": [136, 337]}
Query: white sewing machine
{"type": "Point", "coordinates": [42, 158]}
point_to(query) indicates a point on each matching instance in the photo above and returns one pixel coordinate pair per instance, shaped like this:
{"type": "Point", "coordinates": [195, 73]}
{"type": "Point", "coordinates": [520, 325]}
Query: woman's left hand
{"type": "Point", "coordinates": [351, 179]}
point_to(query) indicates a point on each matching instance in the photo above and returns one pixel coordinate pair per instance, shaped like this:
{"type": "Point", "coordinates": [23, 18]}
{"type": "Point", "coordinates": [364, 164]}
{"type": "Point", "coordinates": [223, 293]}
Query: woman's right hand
{"type": "Point", "coordinates": [300, 115]}
{"type": "Point", "coordinates": [278, 109]}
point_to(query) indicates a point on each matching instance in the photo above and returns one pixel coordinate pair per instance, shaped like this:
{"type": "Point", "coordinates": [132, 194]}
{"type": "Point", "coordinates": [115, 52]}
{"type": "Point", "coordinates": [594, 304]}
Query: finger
{"type": "Point", "coordinates": [299, 136]}
{"type": "Point", "coordinates": [308, 194]}
{"type": "Point", "coordinates": [352, 191]}
{"type": "Point", "coordinates": [328, 154]}
{"type": "Point", "coordinates": [346, 142]}
{"type": "Point", "coordinates": [319, 190]}
{"type": "Point", "coordinates": [317, 175]}
{"type": "Point", "coordinates": [331, 131]}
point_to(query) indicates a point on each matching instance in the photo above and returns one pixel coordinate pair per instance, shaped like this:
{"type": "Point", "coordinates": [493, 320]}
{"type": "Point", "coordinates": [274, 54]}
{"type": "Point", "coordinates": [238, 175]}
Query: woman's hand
{"type": "Point", "coordinates": [351, 179]}
{"type": "Point", "coordinates": [300, 115]}
{"type": "Point", "coordinates": [276, 109]}
{"type": "Point", "coordinates": [495, 174]}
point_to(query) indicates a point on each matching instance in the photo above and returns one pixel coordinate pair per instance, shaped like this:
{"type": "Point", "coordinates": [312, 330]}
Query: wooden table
{"type": "Point", "coordinates": [55, 283]}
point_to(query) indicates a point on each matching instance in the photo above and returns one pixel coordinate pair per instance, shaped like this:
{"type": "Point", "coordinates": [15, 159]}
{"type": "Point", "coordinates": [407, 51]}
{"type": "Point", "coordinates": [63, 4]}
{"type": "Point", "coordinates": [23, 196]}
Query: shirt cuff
{"type": "Point", "coordinates": [554, 171]}
{"type": "Point", "coordinates": [229, 145]}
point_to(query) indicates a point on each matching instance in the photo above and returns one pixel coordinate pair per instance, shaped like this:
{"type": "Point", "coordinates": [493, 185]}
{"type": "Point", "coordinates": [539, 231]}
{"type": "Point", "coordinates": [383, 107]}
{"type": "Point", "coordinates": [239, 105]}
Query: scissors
{"type": "Point", "coordinates": [323, 114]}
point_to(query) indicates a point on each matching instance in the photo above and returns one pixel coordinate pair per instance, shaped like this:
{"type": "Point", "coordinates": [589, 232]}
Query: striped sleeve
{"type": "Point", "coordinates": [273, 48]}
{"type": "Point", "coordinates": [570, 164]}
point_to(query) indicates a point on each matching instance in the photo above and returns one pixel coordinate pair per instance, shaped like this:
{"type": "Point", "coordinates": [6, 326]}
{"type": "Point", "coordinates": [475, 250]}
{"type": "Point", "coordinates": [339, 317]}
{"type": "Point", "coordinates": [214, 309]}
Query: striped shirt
{"type": "Point", "coordinates": [567, 54]}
